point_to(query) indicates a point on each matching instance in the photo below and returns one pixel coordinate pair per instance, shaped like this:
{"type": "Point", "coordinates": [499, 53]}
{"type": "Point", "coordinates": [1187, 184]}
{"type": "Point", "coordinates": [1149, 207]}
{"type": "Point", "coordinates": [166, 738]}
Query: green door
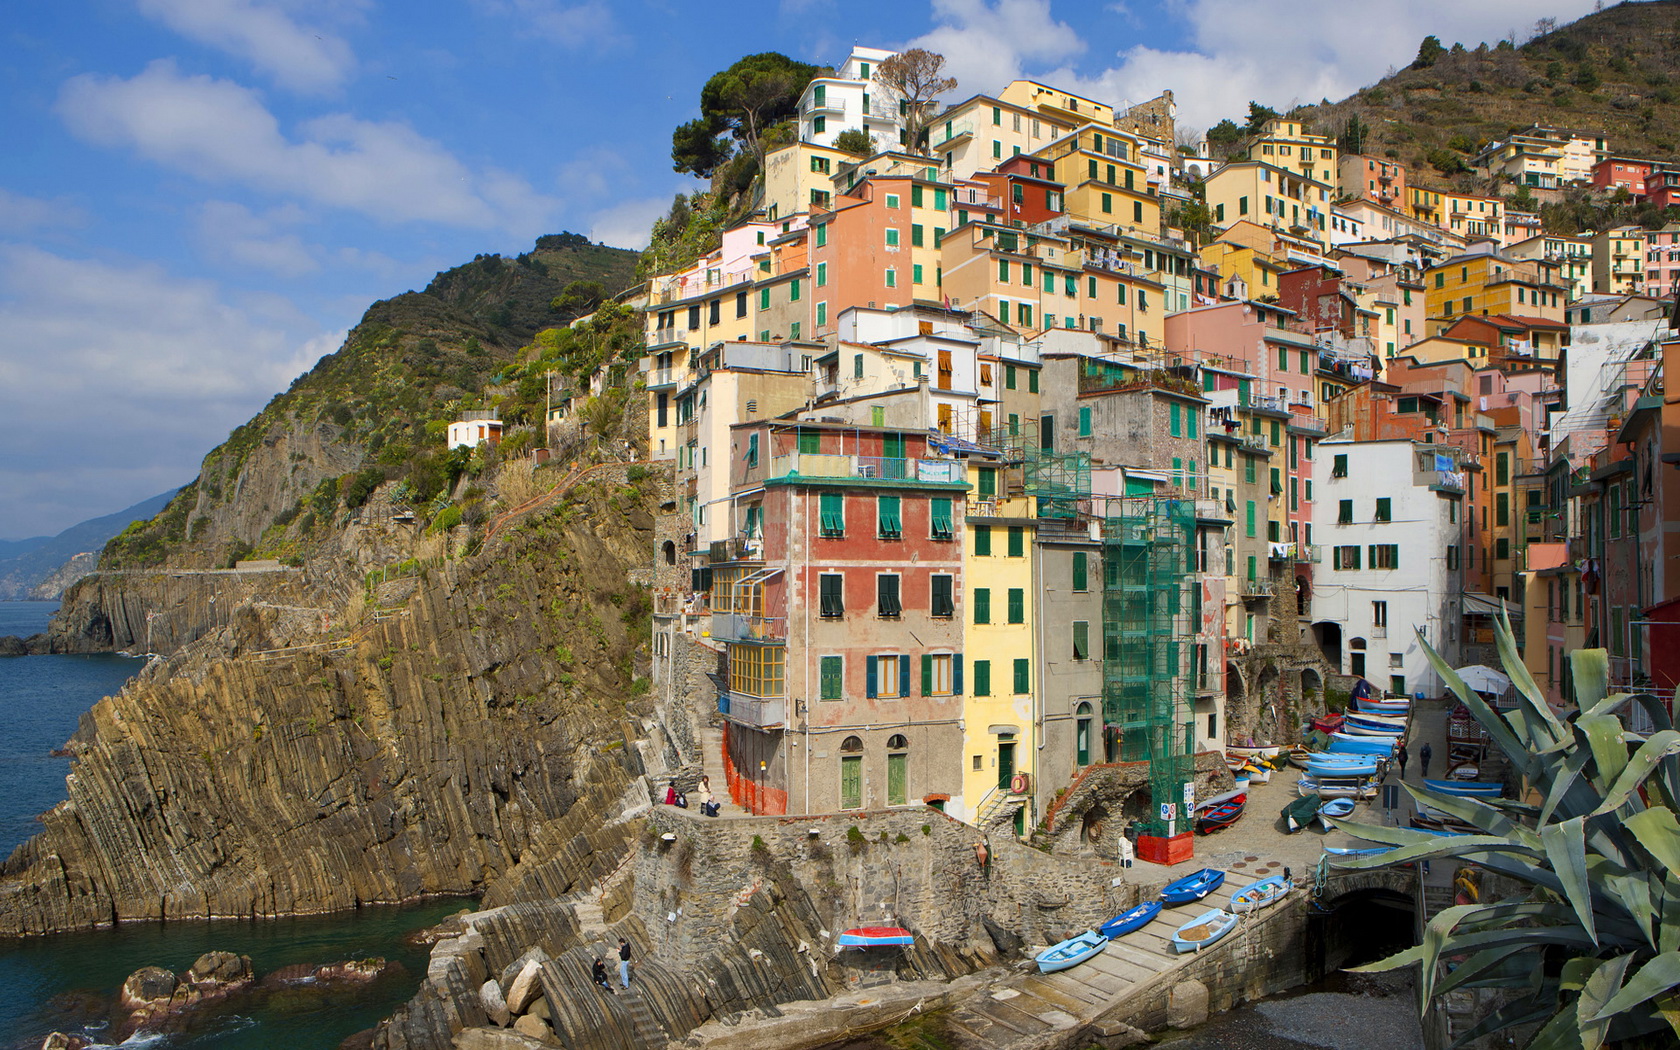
{"type": "Point", "coordinates": [851, 782]}
{"type": "Point", "coordinates": [1082, 742]}
{"type": "Point", "coordinates": [898, 776]}
{"type": "Point", "coordinates": [1006, 764]}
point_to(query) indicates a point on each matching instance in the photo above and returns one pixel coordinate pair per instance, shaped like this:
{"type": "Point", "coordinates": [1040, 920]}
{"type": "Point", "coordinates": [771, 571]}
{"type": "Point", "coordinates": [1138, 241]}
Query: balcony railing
{"type": "Point", "coordinates": [969, 197]}
{"type": "Point", "coordinates": [956, 130]}
{"type": "Point", "coordinates": [734, 627]}
{"type": "Point", "coordinates": [1448, 480]}
{"type": "Point", "coordinates": [662, 377]}
{"type": "Point", "coordinates": [1308, 553]}
{"type": "Point", "coordinates": [1312, 424]}
{"type": "Point", "coordinates": [661, 336]}
{"type": "Point", "coordinates": [982, 508]}
{"type": "Point", "coordinates": [757, 712]}
{"type": "Point", "coordinates": [1256, 586]}
{"type": "Point", "coordinates": [817, 465]}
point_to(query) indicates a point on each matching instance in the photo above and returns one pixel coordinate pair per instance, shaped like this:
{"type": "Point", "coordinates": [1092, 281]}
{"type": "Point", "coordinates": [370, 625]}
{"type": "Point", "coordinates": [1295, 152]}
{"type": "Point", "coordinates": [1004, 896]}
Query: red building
{"type": "Point", "coordinates": [838, 604]}
{"type": "Point", "coordinates": [1320, 299]}
{"type": "Point", "coordinates": [1612, 172]}
{"type": "Point", "coordinates": [1028, 189]}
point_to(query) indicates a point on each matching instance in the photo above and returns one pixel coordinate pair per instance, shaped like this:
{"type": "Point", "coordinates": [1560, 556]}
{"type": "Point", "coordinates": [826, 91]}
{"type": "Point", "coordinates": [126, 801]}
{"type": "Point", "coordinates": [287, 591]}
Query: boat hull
{"type": "Point", "coordinates": [877, 937]}
{"type": "Point", "coordinates": [1127, 921]}
{"type": "Point", "coordinates": [1192, 887]}
{"type": "Point", "coordinates": [1205, 929]}
{"type": "Point", "coordinates": [1071, 952]}
{"type": "Point", "coordinates": [1261, 894]}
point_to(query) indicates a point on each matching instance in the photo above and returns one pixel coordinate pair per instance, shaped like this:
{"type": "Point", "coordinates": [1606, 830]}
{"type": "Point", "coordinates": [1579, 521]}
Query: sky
{"type": "Point", "coordinates": [198, 198]}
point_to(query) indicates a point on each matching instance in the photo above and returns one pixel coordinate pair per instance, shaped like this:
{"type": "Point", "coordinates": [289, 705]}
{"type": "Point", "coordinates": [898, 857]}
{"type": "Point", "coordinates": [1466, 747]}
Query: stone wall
{"type": "Point", "coordinates": [1090, 817]}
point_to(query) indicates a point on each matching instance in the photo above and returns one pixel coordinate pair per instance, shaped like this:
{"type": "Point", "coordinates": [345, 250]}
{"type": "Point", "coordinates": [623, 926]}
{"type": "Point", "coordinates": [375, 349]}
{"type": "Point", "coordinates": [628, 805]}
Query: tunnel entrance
{"type": "Point", "coordinates": [1363, 926]}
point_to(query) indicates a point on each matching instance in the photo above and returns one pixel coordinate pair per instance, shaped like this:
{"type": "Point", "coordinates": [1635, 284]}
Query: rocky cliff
{"type": "Point", "coordinates": [287, 761]}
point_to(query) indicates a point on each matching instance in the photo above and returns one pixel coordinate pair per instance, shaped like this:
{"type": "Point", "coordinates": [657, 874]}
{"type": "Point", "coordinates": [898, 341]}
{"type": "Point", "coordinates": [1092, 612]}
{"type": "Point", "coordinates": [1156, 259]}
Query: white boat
{"type": "Point", "coordinates": [1254, 750]}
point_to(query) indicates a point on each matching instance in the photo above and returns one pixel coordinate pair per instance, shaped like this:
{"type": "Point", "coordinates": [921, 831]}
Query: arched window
{"type": "Point", "coordinates": [670, 553]}
{"type": "Point", "coordinates": [1082, 735]}
{"type": "Point", "coordinates": [851, 744]}
{"type": "Point", "coordinates": [896, 742]}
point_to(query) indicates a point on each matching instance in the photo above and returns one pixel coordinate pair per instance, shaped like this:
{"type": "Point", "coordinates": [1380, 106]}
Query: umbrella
{"type": "Point", "coordinates": [1484, 679]}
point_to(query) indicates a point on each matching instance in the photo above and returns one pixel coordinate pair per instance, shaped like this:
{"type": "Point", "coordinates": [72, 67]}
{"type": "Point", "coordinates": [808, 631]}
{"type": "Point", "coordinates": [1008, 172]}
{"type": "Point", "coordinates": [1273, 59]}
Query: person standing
{"type": "Point", "coordinates": [1401, 755]}
{"type": "Point", "coordinates": [624, 962]}
{"type": "Point", "coordinates": [1424, 755]}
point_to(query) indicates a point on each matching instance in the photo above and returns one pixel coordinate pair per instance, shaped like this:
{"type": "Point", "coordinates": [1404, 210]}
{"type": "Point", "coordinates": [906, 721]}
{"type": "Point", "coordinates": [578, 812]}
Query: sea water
{"type": "Point", "coordinates": [67, 982]}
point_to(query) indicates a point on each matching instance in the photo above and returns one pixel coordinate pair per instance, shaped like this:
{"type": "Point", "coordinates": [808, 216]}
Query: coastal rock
{"type": "Point", "coordinates": [38, 644]}
{"type": "Point", "coordinates": [490, 994]}
{"type": "Point", "coordinates": [525, 987]}
{"type": "Point", "coordinates": [221, 968]}
{"type": "Point", "coordinates": [494, 1039]}
{"type": "Point", "coordinates": [539, 1009]}
{"type": "Point", "coordinates": [146, 986]}
{"type": "Point", "coordinates": [60, 1041]}
{"type": "Point", "coordinates": [534, 1028]}
{"type": "Point", "coordinates": [1187, 1005]}
{"type": "Point", "coordinates": [12, 645]}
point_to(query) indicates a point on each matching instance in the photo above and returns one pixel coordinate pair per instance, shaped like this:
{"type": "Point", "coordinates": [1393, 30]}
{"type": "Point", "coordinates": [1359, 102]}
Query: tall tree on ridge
{"type": "Point", "coordinates": [916, 77]}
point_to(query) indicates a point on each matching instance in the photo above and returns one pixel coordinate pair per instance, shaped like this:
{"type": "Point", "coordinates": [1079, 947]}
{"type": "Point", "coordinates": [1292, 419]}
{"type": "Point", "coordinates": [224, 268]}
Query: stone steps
{"type": "Point", "coordinates": [649, 1035]}
{"type": "Point", "coordinates": [711, 761]}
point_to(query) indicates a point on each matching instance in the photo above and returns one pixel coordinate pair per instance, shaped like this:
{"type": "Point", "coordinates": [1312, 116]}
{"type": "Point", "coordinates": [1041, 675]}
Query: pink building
{"type": "Point", "coordinates": [1662, 260]}
{"type": "Point", "coordinates": [1612, 172]}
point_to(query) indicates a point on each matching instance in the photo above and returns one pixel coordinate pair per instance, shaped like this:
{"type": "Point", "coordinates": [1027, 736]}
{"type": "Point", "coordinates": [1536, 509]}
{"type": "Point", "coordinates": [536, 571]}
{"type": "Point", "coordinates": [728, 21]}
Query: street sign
{"type": "Point", "coordinates": [1168, 810]}
{"type": "Point", "coordinates": [1189, 796]}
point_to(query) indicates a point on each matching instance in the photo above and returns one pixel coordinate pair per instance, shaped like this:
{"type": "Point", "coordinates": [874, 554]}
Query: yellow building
{"type": "Point", "coordinates": [1618, 261]}
{"type": "Point", "coordinates": [976, 134]}
{"type": "Point", "coordinates": [799, 176]}
{"type": "Point", "coordinates": [1487, 282]}
{"type": "Point", "coordinates": [1466, 214]}
{"type": "Point", "coordinates": [1572, 254]}
{"type": "Point", "coordinates": [999, 707]}
{"type": "Point", "coordinates": [1105, 179]}
{"type": "Point", "coordinates": [1287, 144]}
{"type": "Point", "coordinates": [1258, 255]}
{"type": "Point", "coordinates": [1056, 104]}
{"type": "Point", "coordinates": [1269, 196]}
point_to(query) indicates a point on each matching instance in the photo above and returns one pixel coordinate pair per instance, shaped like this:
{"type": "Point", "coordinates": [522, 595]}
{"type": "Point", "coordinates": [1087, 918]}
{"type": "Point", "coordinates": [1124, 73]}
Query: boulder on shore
{"type": "Point", "coordinates": [12, 645]}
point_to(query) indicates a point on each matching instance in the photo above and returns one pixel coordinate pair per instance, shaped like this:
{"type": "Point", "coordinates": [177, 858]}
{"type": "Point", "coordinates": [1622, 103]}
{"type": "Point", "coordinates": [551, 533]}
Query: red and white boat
{"type": "Point", "coordinates": [877, 937]}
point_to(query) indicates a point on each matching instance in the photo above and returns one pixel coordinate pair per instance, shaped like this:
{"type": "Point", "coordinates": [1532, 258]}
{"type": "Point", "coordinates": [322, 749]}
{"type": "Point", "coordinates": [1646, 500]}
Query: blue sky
{"type": "Point", "coordinates": [199, 197]}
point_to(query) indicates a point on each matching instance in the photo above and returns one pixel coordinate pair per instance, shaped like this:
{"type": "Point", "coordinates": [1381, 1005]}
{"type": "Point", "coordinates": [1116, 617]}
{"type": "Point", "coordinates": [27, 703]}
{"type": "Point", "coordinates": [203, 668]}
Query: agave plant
{"type": "Point", "coordinates": [1590, 952]}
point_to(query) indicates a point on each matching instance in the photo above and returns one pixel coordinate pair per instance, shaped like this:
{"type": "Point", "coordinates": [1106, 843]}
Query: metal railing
{"type": "Point", "coordinates": [818, 465]}
{"type": "Point", "coordinates": [953, 130]}
{"type": "Point", "coordinates": [758, 712]}
{"type": "Point", "coordinates": [1257, 586]}
{"type": "Point", "coordinates": [734, 627]}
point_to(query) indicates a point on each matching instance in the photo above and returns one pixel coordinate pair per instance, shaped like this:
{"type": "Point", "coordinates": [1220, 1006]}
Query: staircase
{"type": "Point", "coordinates": [711, 763]}
{"type": "Point", "coordinates": [649, 1035]}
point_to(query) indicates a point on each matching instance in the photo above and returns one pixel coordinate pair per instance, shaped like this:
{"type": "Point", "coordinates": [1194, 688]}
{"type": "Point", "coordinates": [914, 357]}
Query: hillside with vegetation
{"type": "Point", "coordinates": [1614, 74]}
{"type": "Point", "coordinates": [494, 333]}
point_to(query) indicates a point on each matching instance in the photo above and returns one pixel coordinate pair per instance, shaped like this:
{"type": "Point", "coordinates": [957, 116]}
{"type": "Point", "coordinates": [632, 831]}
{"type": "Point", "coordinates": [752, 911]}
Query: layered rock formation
{"type": "Point", "coordinates": [267, 770]}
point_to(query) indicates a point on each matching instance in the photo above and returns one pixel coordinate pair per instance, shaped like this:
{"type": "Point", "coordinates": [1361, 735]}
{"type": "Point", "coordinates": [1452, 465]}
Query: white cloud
{"type": "Point", "coordinates": [147, 373]}
{"type": "Point", "coordinates": [221, 132]}
{"type": "Point", "coordinates": [986, 45]}
{"type": "Point", "coordinates": [589, 24]}
{"type": "Point", "coordinates": [1282, 52]}
{"type": "Point", "coordinates": [627, 224]}
{"type": "Point", "coordinates": [301, 57]}
{"type": "Point", "coordinates": [21, 214]}
{"type": "Point", "coordinates": [233, 234]}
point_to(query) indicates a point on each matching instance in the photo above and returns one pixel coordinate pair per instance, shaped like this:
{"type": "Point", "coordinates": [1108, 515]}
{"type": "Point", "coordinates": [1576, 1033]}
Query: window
{"type": "Point", "coordinates": [1502, 508]}
{"type": "Point", "coordinates": [832, 677]}
{"type": "Point", "coordinates": [1175, 423]}
{"type": "Point", "coordinates": [831, 587]}
{"type": "Point", "coordinates": [1009, 377]}
{"type": "Point", "coordinates": [888, 525]}
{"type": "Point", "coordinates": [982, 685]}
{"type": "Point", "coordinates": [1344, 512]}
{"type": "Point", "coordinates": [752, 450]}
{"type": "Point", "coordinates": [1023, 683]}
{"type": "Point", "coordinates": [757, 670]}
{"type": "Point", "coordinates": [1379, 614]}
{"type": "Point", "coordinates": [892, 237]}
{"type": "Point", "coordinates": [1384, 509]}
{"type": "Point", "coordinates": [1081, 639]}
{"type": "Point", "coordinates": [1452, 557]}
{"type": "Point", "coordinates": [987, 482]}
{"type": "Point", "coordinates": [887, 604]}
{"type": "Point", "coordinates": [982, 541]}
{"type": "Point", "coordinates": [892, 200]}
{"type": "Point", "coordinates": [822, 236]}
{"type": "Point", "coordinates": [1384, 556]}
{"type": "Point", "coordinates": [1249, 522]}
{"type": "Point", "coordinates": [1346, 557]}
{"type": "Point", "coordinates": [982, 599]}
{"type": "Point", "coordinates": [1032, 381]}
{"type": "Point", "coordinates": [1017, 541]}
{"type": "Point", "coordinates": [887, 677]}
{"type": "Point", "coordinates": [1017, 605]}
{"type": "Point", "coordinates": [892, 277]}
{"type": "Point", "coordinates": [1081, 574]}
{"type": "Point", "coordinates": [943, 604]}
{"type": "Point", "coordinates": [940, 672]}
{"type": "Point", "coordinates": [1085, 421]}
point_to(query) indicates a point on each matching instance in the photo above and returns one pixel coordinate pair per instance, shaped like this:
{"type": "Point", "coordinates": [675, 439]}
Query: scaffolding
{"type": "Point", "coordinates": [1059, 481]}
{"type": "Point", "coordinates": [1149, 604]}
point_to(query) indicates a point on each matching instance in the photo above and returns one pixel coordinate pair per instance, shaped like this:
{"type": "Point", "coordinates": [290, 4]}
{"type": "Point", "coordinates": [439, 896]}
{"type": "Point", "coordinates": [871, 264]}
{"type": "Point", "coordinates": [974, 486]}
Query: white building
{"type": "Point", "coordinates": [1389, 515]}
{"type": "Point", "coordinates": [475, 428]}
{"type": "Point", "coordinates": [1345, 228]}
{"type": "Point", "coordinates": [852, 98]}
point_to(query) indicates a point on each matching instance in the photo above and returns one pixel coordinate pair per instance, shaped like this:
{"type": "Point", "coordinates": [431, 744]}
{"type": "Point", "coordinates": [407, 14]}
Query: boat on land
{"type": "Point", "coordinates": [1328, 723]}
{"type": "Point", "coordinates": [1343, 765]}
{"type": "Point", "coordinates": [1336, 787]}
{"type": "Point", "coordinates": [1127, 921]}
{"type": "Point", "coordinates": [1300, 756]}
{"type": "Point", "coordinates": [1375, 725]}
{"type": "Point", "coordinates": [1192, 887]}
{"type": "Point", "coordinates": [1071, 952]}
{"type": "Point", "coordinates": [1385, 706]}
{"type": "Point", "coordinates": [1299, 813]}
{"type": "Point", "coordinates": [1221, 816]}
{"type": "Point", "coordinates": [1260, 894]}
{"type": "Point", "coordinates": [1353, 743]}
{"type": "Point", "coordinates": [1467, 788]}
{"type": "Point", "coordinates": [1203, 930]}
{"type": "Point", "coordinates": [877, 937]}
{"type": "Point", "coordinates": [1253, 750]}
{"type": "Point", "coordinates": [1337, 808]}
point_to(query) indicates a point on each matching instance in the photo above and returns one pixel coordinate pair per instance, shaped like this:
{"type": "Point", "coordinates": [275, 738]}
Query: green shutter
{"type": "Point", "coordinates": [1174, 422]}
{"type": "Point", "coordinates": [831, 687]}
{"type": "Point", "coordinates": [982, 540]}
{"type": "Point", "coordinates": [982, 605]}
{"type": "Point", "coordinates": [988, 482]}
{"type": "Point", "coordinates": [1017, 541]}
{"type": "Point", "coordinates": [1032, 376]}
{"type": "Point", "coordinates": [1017, 605]}
{"type": "Point", "coordinates": [982, 678]}
{"type": "Point", "coordinates": [832, 514]}
{"type": "Point", "coordinates": [927, 674]}
{"type": "Point", "coordinates": [1085, 421]}
{"type": "Point", "coordinates": [1022, 682]}
{"type": "Point", "coordinates": [809, 441]}
{"type": "Point", "coordinates": [1080, 579]}
{"type": "Point", "coordinates": [942, 518]}
{"type": "Point", "coordinates": [887, 523]}
{"type": "Point", "coordinates": [1081, 639]}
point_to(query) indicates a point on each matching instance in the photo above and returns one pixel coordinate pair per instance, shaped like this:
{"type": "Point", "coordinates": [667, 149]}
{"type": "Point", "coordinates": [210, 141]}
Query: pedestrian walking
{"type": "Point", "coordinates": [1424, 754]}
{"type": "Point", "coordinates": [624, 961]}
{"type": "Point", "coordinates": [1401, 755]}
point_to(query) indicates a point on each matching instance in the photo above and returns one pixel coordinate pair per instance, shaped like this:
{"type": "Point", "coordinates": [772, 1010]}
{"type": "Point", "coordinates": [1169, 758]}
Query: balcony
{"type": "Point", "coordinates": [736, 548]}
{"type": "Point", "coordinates": [662, 378]}
{"type": "Point", "coordinates": [969, 197]}
{"type": "Point", "coordinates": [1308, 553]}
{"type": "Point", "coordinates": [665, 336]}
{"type": "Point", "coordinates": [1256, 441]}
{"type": "Point", "coordinates": [982, 508]}
{"type": "Point", "coordinates": [1443, 480]}
{"type": "Point", "coordinates": [951, 131]}
{"type": "Point", "coordinates": [734, 627]}
{"type": "Point", "coordinates": [755, 712]}
{"type": "Point", "coordinates": [826, 106]}
{"type": "Point", "coordinates": [819, 466]}
{"type": "Point", "coordinates": [1310, 424]}
{"type": "Point", "coordinates": [1256, 587]}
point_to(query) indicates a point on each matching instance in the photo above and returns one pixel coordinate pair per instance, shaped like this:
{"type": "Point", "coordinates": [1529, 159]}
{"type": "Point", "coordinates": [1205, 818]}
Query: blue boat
{"type": "Point", "coordinates": [1374, 725]}
{"type": "Point", "coordinates": [1260, 894]}
{"type": "Point", "coordinates": [1203, 930]}
{"type": "Point", "coordinates": [1343, 766]}
{"type": "Point", "coordinates": [1127, 921]}
{"type": "Point", "coordinates": [1469, 788]}
{"type": "Point", "coordinates": [1193, 887]}
{"type": "Point", "coordinates": [877, 937]}
{"type": "Point", "coordinates": [1337, 807]}
{"type": "Point", "coordinates": [1071, 952]}
{"type": "Point", "coordinates": [1349, 743]}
